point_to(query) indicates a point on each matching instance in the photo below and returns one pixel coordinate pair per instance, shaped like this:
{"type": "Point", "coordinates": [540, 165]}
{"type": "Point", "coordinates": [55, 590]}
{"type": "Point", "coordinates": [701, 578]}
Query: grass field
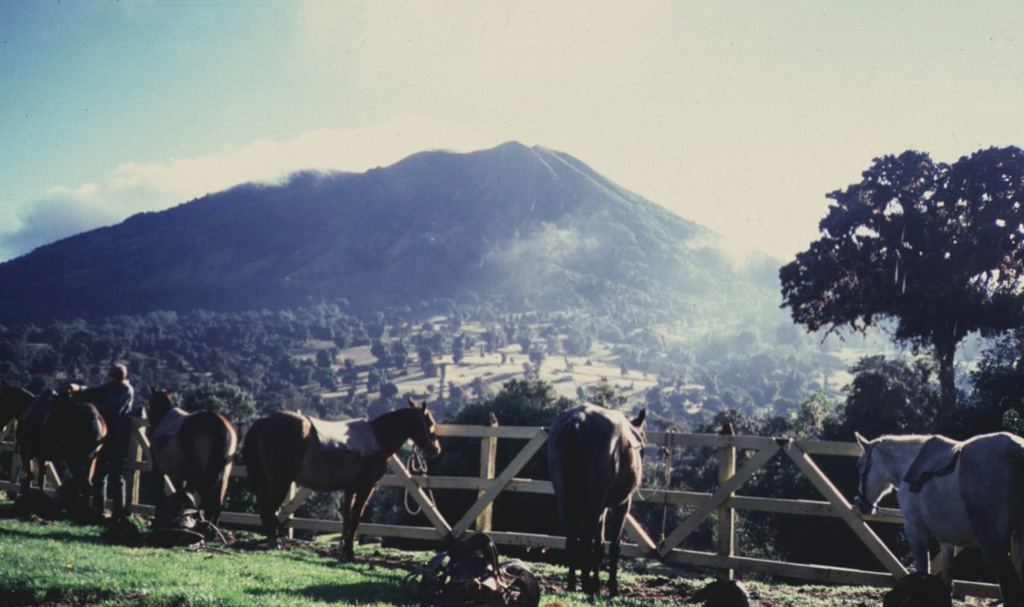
{"type": "Point", "coordinates": [58, 564]}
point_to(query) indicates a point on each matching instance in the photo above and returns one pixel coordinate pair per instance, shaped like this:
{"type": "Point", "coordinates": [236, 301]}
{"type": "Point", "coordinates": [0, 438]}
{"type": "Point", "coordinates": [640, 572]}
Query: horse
{"type": "Point", "coordinates": [53, 427]}
{"type": "Point", "coordinates": [967, 493]}
{"type": "Point", "coordinates": [595, 464]}
{"type": "Point", "coordinates": [286, 447]}
{"type": "Point", "coordinates": [194, 450]}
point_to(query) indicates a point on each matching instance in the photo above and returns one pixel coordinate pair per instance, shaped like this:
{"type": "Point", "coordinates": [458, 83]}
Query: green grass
{"type": "Point", "coordinates": [65, 565]}
{"type": "Point", "coordinates": [56, 562]}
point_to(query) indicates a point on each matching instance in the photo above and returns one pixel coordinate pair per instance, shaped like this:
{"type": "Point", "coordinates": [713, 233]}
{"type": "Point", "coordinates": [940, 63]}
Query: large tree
{"type": "Point", "coordinates": [935, 248]}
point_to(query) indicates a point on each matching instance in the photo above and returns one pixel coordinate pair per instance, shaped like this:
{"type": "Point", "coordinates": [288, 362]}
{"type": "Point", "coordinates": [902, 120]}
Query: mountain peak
{"type": "Point", "coordinates": [511, 223]}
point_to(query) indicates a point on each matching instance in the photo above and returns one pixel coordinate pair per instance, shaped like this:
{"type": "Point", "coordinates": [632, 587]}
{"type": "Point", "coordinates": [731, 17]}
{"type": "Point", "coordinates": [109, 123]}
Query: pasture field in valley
{"type": "Point", "coordinates": [58, 564]}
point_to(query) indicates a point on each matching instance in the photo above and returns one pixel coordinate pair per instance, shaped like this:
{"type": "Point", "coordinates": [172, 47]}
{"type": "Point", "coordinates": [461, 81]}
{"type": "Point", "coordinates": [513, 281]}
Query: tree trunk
{"type": "Point", "coordinates": [945, 353]}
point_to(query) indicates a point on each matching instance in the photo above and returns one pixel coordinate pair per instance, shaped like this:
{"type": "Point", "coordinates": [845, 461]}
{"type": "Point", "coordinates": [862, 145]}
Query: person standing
{"type": "Point", "coordinates": [113, 400]}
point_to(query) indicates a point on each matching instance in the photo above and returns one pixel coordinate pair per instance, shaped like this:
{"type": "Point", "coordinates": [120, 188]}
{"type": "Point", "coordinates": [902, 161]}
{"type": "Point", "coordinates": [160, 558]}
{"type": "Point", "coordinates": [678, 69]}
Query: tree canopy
{"type": "Point", "coordinates": [936, 248]}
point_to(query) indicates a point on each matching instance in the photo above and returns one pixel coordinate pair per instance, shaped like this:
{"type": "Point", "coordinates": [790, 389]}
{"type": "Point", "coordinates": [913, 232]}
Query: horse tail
{"type": "Point", "coordinates": [575, 478]}
{"type": "Point", "coordinates": [225, 445]}
{"type": "Point", "coordinates": [251, 456]}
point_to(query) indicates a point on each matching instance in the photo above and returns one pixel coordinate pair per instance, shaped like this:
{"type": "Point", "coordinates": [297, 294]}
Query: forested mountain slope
{"type": "Point", "coordinates": [531, 227]}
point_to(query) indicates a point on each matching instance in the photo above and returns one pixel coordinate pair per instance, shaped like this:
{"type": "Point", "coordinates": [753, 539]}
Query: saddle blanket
{"type": "Point", "coordinates": [354, 435]}
{"type": "Point", "coordinates": [937, 457]}
{"type": "Point", "coordinates": [170, 424]}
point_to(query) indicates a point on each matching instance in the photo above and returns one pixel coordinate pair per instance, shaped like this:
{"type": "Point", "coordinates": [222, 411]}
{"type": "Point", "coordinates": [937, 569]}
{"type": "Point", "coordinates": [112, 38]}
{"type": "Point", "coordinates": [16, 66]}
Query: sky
{"type": "Point", "coordinates": [740, 116]}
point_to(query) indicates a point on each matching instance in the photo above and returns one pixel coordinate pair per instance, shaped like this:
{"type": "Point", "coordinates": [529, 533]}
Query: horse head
{"type": "Point", "coordinates": [160, 404]}
{"type": "Point", "coordinates": [425, 436]}
{"type": "Point", "coordinates": [873, 484]}
{"type": "Point", "coordinates": [638, 427]}
{"type": "Point", "coordinates": [13, 400]}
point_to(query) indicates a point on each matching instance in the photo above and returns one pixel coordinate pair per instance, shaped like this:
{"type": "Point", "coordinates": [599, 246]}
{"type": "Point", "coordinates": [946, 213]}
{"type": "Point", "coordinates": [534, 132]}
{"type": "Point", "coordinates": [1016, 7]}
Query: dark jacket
{"type": "Point", "coordinates": [113, 401]}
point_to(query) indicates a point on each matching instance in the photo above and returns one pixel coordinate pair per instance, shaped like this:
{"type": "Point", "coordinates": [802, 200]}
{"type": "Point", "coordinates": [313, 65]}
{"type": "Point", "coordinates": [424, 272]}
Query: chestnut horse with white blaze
{"type": "Point", "coordinates": [286, 447]}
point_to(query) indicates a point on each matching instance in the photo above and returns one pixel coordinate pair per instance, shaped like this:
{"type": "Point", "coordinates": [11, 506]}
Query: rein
{"type": "Point", "coordinates": [416, 463]}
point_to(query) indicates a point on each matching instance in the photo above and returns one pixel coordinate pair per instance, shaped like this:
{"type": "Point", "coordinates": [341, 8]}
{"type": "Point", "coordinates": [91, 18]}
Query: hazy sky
{"type": "Point", "coordinates": [738, 115]}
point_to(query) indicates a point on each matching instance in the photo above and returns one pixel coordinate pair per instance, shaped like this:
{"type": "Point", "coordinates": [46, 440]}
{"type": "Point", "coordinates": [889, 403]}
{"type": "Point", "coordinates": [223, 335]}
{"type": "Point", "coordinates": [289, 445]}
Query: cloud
{"type": "Point", "coordinates": [61, 213]}
{"type": "Point", "coordinates": [132, 187]}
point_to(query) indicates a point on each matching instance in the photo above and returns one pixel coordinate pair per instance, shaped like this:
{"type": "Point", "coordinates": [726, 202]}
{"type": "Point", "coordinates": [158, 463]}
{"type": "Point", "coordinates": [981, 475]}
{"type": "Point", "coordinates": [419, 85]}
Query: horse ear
{"type": "Point", "coordinates": [412, 403]}
{"type": "Point", "coordinates": [863, 442]}
{"type": "Point", "coordinates": [639, 421]}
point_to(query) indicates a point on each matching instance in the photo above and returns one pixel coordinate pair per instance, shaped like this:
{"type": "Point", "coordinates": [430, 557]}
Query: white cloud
{"type": "Point", "coordinates": [136, 187]}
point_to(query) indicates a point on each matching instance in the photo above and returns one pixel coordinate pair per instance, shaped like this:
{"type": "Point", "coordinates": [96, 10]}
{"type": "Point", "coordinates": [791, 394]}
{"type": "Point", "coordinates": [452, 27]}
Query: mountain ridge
{"type": "Point", "coordinates": [525, 225]}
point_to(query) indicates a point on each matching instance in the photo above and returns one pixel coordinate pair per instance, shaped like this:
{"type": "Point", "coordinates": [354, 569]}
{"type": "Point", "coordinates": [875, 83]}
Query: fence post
{"type": "Point", "coordinates": [488, 465]}
{"type": "Point", "coordinates": [136, 472]}
{"type": "Point", "coordinates": [16, 473]}
{"type": "Point", "coordinates": [666, 454]}
{"type": "Point", "coordinates": [290, 530]}
{"type": "Point", "coordinates": [726, 515]}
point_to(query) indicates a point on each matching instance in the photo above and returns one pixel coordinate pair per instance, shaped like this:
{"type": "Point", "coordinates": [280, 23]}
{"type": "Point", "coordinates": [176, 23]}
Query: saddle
{"type": "Point", "coordinates": [179, 522]}
{"type": "Point", "coordinates": [937, 457]}
{"type": "Point", "coordinates": [918, 590]}
{"type": "Point", "coordinates": [170, 424]}
{"type": "Point", "coordinates": [354, 435]}
{"type": "Point", "coordinates": [470, 575]}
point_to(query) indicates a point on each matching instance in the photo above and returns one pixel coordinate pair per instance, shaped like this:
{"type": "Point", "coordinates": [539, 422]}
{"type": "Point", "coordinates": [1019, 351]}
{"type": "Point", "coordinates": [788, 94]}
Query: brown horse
{"type": "Point", "coordinates": [594, 459]}
{"type": "Point", "coordinates": [53, 427]}
{"type": "Point", "coordinates": [286, 447]}
{"type": "Point", "coordinates": [195, 450]}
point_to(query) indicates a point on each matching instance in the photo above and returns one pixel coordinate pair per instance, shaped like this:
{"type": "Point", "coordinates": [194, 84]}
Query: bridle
{"type": "Point", "coordinates": [860, 500]}
{"type": "Point", "coordinates": [426, 432]}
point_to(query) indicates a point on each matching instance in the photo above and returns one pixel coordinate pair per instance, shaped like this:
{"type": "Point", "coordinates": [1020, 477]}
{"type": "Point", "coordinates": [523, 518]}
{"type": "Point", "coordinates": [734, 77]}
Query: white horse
{"type": "Point", "coordinates": [967, 493]}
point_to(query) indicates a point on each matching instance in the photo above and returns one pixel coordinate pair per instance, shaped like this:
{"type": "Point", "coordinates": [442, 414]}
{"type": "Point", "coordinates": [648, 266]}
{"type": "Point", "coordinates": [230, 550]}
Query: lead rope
{"type": "Point", "coordinates": [417, 464]}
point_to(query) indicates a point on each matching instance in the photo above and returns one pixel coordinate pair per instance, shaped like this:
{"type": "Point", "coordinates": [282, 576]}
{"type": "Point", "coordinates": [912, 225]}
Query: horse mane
{"type": "Point", "coordinates": [905, 439]}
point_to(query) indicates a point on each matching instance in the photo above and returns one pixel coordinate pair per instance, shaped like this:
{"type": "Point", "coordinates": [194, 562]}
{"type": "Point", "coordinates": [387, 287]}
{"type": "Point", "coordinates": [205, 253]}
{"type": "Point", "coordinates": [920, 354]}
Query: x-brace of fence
{"type": "Point", "coordinates": [739, 459]}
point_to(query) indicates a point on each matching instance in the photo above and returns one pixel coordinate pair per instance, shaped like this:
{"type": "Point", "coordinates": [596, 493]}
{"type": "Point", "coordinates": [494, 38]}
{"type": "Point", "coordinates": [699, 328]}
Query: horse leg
{"type": "Point", "coordinates": [211, 488]}
{"type": "Point", "coordinates": [593, 551]}
{"type": "Point", "coordinates": [157, 484]}
{"type": "Point", "coordinates": [917, 538]}
{"type": "Point", "coordinates": [270, 498]}
{"type": "Point", "coordinates": [948, 552]}
{"type": "Point", "coordinates": [572, 551]}
{"type": "Point", "coordinates": [616, 523]}
{"type": "Point", "coordinates": [26, 476]}
{"type": "Point", "coordinates": [572, 528]}
{"type": "Point", "coordinates": [99, 485]}
{"type": "Point", "coordinates": [78, 475]}
{"type": "Point", "coordinates": [355, 504]}
{"type": "Point", "coordinates": [213, 497]}
{"type": "Point", "coordinates": [996, 551]}
{"type": "Point", "coordinates": [1018, 558]}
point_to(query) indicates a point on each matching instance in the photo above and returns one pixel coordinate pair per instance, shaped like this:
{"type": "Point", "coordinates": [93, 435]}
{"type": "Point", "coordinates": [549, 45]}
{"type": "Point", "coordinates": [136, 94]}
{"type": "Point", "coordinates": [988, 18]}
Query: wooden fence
{"type": "Point", "coordinates": [739, 459]}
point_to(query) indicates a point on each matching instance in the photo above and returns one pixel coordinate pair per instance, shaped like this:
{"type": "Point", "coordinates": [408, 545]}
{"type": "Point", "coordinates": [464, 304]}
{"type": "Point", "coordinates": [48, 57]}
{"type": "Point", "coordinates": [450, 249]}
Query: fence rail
{"type": "Point", "coordinates": [721, 504]}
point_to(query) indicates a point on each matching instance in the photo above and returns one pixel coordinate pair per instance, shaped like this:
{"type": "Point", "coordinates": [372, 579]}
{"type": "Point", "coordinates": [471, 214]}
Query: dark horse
{"type": "Point", "coordinates": [195, 450]}
{"type": "Point", "coordinates": [594, 458]}
{"type": "Point", "coordinates": [54, 428]}
{"type": "Point", "coordinates": [286, 447]}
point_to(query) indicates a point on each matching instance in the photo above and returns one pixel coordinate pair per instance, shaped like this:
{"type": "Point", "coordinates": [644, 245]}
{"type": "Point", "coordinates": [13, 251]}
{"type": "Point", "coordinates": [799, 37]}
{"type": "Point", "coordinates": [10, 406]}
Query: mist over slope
{"type": "Point", "coordinates": [531, 228]}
